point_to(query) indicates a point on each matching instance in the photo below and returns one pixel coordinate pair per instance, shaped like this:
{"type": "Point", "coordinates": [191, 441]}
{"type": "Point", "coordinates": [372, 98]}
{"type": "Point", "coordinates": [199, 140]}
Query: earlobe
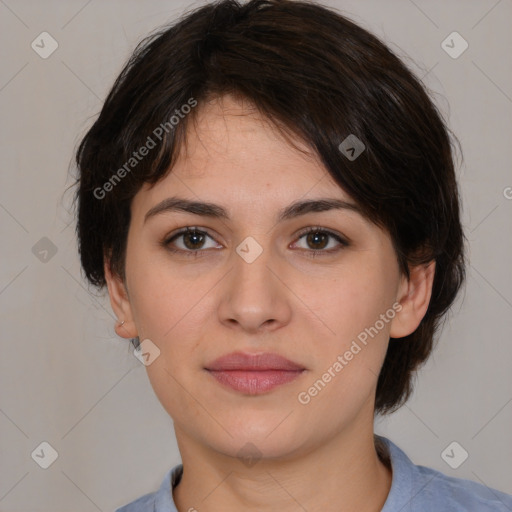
{"type": "Point", "coordinates": [414, 297]}
{"type": "Point", "coordinates": [120, 303]}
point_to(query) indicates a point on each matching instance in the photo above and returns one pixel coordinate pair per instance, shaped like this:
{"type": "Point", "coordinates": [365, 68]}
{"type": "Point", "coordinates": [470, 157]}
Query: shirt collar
{"type": "Point", "coordinates": [400, 494]}
{"type": "Point", "coordinates": [164, 501]}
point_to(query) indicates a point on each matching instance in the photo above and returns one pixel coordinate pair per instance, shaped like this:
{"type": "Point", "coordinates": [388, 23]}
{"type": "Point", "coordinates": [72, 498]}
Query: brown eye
{"type": "Point", "coordinates": [317, 240]}
{"type": "Point", "coordinates": [321, 241]}
{"type": "Point", "coordinates": [193, 239]}
{"type": "Point", "coordinates": [189, 241]}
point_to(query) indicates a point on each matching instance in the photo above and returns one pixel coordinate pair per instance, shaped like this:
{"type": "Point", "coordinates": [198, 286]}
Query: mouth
{"type": "Point", "coordinates": [254, 374]}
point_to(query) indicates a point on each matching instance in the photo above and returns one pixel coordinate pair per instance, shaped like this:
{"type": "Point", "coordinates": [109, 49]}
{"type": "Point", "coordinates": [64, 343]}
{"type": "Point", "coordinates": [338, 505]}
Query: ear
{"type": "Point", "coordinates": [414, 297]}
{"type": "Point", "coordinates": [120, 303]}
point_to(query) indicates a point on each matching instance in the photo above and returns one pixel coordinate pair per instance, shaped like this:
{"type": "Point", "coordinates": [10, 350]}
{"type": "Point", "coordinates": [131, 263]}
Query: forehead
{"type": "Point", "coordinates": [230, 148]}
{"type": "Point", "coordinates": [226, 133]}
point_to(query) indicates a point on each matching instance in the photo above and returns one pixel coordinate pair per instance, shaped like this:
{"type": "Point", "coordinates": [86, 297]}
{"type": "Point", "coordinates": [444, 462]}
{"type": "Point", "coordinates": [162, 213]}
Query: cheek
{"type": "Point", "coordinates": [350, 302]}
{"type": "Point", "coordinates": [357, 309]}
{"type": "Point", "coordinates": [157, 299]}
{"type": "Point", "coordinates": [170, 310]}
{"type": "Point", "coordinates": [348, 362]}
{"type": "Point", "coordinates": [170, 317]}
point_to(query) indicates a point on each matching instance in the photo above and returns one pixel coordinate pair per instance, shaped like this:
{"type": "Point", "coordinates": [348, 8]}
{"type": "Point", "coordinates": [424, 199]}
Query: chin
{"type": "Point", "coordinates": [251, 450]}
{"type": "Point", "coordinates": [269, 437]}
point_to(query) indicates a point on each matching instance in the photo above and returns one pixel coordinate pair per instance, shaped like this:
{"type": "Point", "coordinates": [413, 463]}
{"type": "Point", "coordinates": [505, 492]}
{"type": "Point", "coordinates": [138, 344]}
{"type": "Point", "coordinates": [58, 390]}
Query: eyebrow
{"type": "Point", "coordinates": [296, 209]}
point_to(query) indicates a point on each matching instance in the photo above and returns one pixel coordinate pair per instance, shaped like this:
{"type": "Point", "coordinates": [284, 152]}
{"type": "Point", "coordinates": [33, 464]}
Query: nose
{"type": "Point", "coordinates": [254, 296]}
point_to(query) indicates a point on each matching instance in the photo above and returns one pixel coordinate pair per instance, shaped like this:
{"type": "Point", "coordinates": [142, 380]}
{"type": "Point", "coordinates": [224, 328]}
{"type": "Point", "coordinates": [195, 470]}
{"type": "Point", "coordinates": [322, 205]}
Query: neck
{"type": "Point", "coordinates": [339, 472]}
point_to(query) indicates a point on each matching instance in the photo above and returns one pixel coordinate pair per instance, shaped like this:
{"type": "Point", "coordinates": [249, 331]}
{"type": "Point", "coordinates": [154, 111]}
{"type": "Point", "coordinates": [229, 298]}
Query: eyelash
{"type": "Point", "coordinates": [311, 253]}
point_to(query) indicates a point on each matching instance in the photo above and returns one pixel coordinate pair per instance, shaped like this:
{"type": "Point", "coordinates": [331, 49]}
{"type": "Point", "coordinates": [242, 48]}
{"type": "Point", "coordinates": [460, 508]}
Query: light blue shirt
{"type": "Point", "coordinates": [413, 489]}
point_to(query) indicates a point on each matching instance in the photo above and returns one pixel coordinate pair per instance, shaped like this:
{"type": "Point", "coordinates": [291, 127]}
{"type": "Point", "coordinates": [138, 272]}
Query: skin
{"type": "Point", "coordinates": [195, 309]}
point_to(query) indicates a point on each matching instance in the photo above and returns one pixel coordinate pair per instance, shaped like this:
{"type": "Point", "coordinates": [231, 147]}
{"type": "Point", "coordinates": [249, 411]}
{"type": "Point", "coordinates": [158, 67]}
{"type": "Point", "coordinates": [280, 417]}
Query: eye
{"type": "Point", "coordinates": [191, 241]}
{"type": "Point", "coordinates": [317, 241]}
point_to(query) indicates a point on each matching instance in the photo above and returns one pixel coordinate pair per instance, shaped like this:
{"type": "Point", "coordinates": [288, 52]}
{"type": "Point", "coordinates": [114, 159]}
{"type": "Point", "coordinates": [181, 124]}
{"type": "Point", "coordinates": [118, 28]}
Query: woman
{"type": "Point", "coordinates": [269, 196]}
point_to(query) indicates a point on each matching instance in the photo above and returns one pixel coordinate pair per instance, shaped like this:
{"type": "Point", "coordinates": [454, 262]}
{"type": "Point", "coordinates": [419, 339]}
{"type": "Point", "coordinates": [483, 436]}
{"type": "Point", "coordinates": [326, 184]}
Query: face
{"type": "Point", "coordinates": [254, 281]}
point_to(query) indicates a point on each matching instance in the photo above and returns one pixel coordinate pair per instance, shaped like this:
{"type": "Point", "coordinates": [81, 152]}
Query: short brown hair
{"type": "Point", "coordinates": [316, 75]}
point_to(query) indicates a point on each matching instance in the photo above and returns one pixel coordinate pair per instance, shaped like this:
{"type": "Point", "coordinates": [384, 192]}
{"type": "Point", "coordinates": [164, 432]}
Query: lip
{"type": "Point", "coordinates": [254, 374]}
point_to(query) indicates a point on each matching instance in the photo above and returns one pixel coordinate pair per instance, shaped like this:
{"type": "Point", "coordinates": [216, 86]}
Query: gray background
{"type": "Point", "coordinates": [68, 380]}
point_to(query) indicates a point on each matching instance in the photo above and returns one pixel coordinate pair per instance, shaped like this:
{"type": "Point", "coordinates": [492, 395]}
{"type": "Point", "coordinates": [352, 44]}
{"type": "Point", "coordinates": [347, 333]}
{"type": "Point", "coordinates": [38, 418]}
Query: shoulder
{"type": "Point", "coordinates": [459, 493]}
{"type": "Point", "coordinates": [161, 500]}
{"type": "Point", "coordinates": [422, 489]}
{"type": "Point", "coordinates": [145, 503]}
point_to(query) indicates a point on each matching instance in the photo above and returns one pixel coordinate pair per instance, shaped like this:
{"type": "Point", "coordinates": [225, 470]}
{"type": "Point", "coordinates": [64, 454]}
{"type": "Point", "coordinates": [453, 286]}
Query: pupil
{"type": "Point", "coordinates": [196, 237]}
{"type": "Point", "coordinates": [313, 239]}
